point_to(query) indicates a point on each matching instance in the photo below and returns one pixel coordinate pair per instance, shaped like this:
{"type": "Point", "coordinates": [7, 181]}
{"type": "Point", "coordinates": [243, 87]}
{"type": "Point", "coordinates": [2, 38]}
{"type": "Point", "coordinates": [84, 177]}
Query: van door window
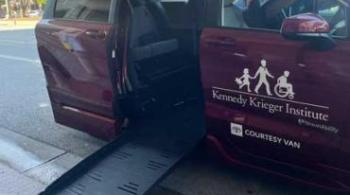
{"type": "Point", "coordinates": [334, 11]}
{"type": "Point", "coordinates": [87, 10]}
{"type": "Point", "coordinates": [265, 14]}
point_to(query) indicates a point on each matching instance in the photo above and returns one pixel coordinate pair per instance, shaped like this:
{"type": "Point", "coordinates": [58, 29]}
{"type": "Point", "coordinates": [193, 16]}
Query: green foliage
{"type": "Point", "coordinates": [41, 2]}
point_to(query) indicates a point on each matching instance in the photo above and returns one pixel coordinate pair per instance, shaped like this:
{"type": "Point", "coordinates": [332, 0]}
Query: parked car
{"type": "Point", "coordinates": [273, 76]}
{"type": "Point", "coordinates": [34, 13]}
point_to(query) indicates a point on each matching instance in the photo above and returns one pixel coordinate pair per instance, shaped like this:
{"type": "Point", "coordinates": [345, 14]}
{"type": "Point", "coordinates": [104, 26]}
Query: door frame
{"type": "Point", "coordinates": [114, 64]}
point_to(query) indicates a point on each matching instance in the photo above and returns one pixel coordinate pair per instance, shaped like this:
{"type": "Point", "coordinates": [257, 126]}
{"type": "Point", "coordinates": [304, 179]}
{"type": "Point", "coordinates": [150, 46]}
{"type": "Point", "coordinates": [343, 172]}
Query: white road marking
{"type": "Point", "coordinates": [18, 42]}
{"type": "Point", "coordinates": [8, 29]}
{"type": "Point", "coordinates": [43, 105]}
{"type": "Point", "coordinates": [7, 57]}
{"type": "Point", "coordinates": [273, 98]}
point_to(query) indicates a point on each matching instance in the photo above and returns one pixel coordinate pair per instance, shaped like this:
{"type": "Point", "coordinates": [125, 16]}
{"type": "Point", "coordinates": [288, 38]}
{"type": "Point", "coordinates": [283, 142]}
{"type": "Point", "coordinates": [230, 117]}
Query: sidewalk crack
{"type": "Point", "coordinates": [46, 162]}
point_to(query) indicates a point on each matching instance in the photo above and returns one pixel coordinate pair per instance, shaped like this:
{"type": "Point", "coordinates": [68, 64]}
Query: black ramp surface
{"type": "Point", "coordinates": [135, 162]}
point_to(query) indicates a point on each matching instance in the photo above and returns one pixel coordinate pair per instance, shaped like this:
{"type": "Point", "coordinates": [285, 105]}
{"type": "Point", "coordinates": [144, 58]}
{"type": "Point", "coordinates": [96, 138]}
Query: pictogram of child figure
{"type": "Point", "coordinates": [244, 80]}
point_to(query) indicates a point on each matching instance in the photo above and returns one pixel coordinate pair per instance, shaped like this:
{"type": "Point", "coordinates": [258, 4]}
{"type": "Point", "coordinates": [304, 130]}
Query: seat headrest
{"type": "Point", "coordinates": [157, 10]}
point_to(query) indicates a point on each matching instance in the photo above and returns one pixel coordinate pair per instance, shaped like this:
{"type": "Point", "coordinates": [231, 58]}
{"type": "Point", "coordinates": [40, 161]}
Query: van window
{"type": "Point", "coordinates": [334, 11]}
{"type": "Point", "coordinates": [87, 10]}
{"type": "Point", "coordinates": [265, 14]}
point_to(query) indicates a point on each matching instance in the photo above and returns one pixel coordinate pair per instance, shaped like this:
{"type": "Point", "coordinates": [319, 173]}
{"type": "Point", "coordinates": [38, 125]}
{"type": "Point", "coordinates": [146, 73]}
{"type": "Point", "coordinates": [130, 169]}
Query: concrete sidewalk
{"type": "Point", "coordinates": [13, 182]}
{"type": "Point", "coordinates": [27, 165]}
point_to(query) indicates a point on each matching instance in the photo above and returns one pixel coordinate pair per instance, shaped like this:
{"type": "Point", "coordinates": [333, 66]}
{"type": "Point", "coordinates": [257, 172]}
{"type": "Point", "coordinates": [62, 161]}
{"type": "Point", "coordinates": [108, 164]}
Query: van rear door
{"type": "Point", "coordinates": [274, 98]}
{"type": "Point", "coordinates": [75, 46]}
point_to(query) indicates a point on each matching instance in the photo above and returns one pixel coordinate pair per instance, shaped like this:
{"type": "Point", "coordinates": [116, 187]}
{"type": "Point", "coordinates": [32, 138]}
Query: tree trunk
{"type": "Point", "coordinates": [21, 8]}
{"type": "Point", "coordinates": [7, 8]}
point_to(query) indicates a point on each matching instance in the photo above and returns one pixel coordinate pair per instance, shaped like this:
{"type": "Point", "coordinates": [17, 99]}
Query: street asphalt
{"type": "Point", "coordinates": [34, 150]}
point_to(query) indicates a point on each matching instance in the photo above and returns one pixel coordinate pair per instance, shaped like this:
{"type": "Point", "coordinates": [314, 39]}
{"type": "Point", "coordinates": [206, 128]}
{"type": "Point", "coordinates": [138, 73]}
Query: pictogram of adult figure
{"type": "Point", "coordinates": [263, 73]}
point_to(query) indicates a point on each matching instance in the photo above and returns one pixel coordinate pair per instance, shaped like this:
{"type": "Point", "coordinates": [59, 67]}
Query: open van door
{"type": "Point", "coordinates": [279, 101]}
{"type": "Point", "coordinates": [149, 147]}
{"type": "Point", "coordinates": [75, 41]}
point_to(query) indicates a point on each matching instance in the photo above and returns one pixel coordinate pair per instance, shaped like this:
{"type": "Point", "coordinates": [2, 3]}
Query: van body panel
{"type": "Point", "coordinates": [270, 123]}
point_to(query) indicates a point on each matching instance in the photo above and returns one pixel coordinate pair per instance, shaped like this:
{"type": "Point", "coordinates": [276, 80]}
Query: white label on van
{"type": "Point", "coordinates": [282, 88]}
{"type": "Point", "coordinates": [272, 139]}
{"type": "Point", "coordinates": [237, 129]}
{"type": "Point", "coordinates": [261, 91]}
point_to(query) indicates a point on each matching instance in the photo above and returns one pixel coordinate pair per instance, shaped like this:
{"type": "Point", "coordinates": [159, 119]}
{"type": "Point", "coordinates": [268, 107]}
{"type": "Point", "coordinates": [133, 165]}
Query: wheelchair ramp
{"type": "Point", "coordinates": [136, 161]}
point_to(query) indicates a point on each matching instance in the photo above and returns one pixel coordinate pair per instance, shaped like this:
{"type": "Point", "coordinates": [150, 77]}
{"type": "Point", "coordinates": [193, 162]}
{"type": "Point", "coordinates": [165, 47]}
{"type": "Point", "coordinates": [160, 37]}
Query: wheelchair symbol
{"type": "Point", "coordinates": [283, 92]}
{"type": "Point", "coordinates": [283, 89]}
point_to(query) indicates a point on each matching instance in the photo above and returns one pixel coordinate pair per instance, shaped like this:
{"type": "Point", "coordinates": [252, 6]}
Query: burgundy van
{"type": "Point", "coordinates": [268, 78]}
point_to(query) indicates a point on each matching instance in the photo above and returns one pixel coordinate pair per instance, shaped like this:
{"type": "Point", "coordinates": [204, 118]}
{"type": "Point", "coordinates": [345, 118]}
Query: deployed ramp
{"type": "Point", "coordinates": [136, 161]}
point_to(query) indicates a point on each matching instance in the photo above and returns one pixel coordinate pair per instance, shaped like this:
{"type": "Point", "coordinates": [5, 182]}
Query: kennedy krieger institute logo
{"type": "Point", "coordinates": [282, 88]}
{"type": "Point", "coordinates": [264, 93]}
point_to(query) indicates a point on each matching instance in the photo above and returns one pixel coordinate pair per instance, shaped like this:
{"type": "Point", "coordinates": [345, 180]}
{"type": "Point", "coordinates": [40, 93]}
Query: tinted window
{"type": "Point", "coordinates": [88, 10]}
{"type": "Point", "coordinates": [334, 11]}
{"type": "Point", "coordinates": [266, 14]}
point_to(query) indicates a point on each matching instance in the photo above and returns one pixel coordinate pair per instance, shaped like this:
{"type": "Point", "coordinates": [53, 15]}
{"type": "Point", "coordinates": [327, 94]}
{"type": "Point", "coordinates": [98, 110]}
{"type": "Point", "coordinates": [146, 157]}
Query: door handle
{"type": "Point", "coordinates": [96, 34]}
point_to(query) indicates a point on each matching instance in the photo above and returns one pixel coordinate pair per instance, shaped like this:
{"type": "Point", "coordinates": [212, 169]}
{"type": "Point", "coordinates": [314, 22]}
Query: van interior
{"type": "Point", "coordinates": [160, 61]}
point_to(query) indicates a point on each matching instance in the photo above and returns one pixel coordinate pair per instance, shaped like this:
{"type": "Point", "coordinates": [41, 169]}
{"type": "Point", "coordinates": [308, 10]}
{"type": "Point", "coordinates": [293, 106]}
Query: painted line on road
{"type": "Point", "coordinates": [18, 42]}
{"type": "Point", "coordinates": [7, 57]}
{"type": "Point", "coordinates": [7, 29]}
{"type": "Point", "coordinates": [44, 105]}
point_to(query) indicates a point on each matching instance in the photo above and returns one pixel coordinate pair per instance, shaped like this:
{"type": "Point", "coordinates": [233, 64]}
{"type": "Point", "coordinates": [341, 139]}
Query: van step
{"type": "Point", "coordinates": [137, 160]}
